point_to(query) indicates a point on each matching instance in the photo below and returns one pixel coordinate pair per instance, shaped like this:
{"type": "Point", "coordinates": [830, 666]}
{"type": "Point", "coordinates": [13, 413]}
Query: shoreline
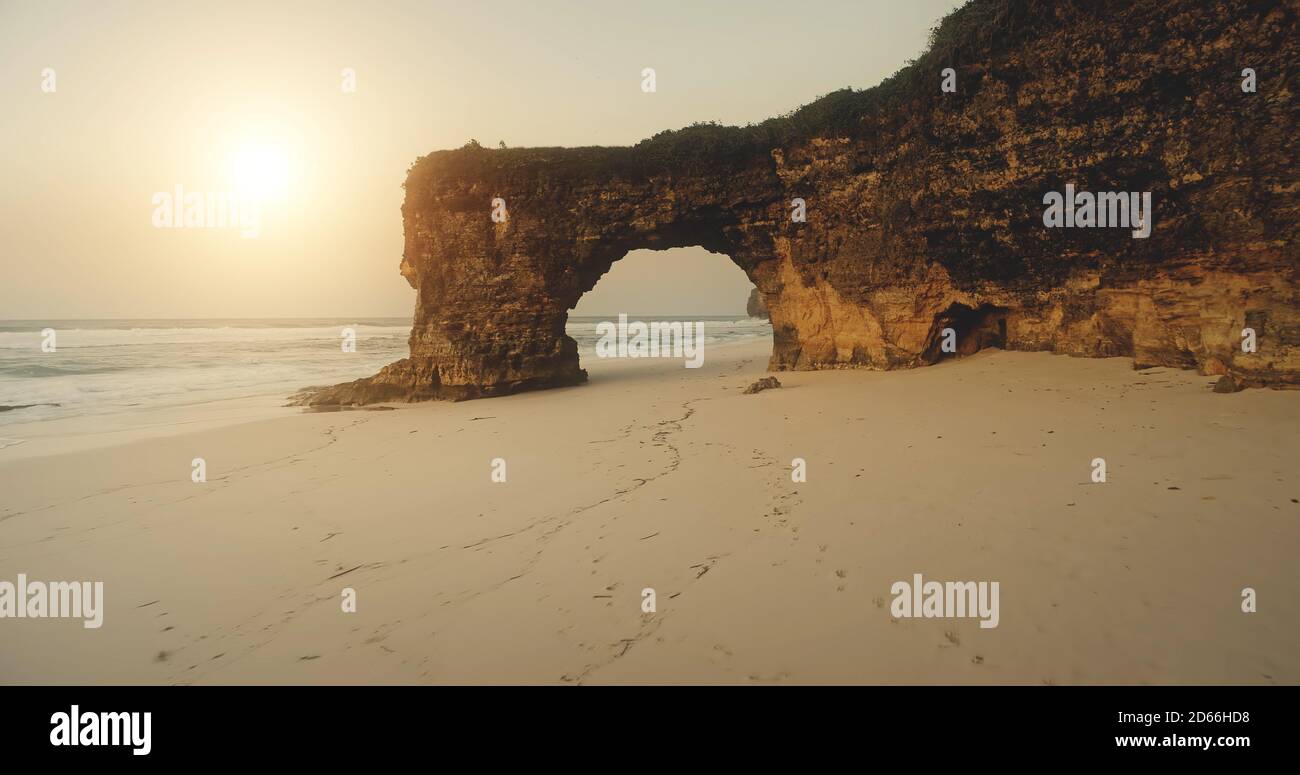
{"type": "Point", "coordinates": [40, 438]}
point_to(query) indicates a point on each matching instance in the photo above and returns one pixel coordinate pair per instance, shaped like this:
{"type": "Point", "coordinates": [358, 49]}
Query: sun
{"type": "Point", "coordinates": [261, 172]}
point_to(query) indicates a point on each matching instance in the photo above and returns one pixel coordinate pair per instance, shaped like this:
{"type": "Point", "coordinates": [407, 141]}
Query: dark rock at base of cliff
{"type": "Point", "coordinates": [765, 383]}
{"type": "Point", "coordinates": [411, 380]}
{"type": "Point", "coordinates": [1226, 384]}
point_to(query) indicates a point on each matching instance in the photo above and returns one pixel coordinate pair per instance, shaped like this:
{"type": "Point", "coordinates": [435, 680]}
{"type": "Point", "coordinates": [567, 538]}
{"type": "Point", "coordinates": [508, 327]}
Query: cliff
{"type": "Point", "coordinates": [755, 307]}
{"type": "Point", "coordinates": [924, 209]}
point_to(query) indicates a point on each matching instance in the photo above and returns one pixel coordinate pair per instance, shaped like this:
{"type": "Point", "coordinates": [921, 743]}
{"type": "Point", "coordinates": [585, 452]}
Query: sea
{"type": "Point", "coordinates": [117, 366]}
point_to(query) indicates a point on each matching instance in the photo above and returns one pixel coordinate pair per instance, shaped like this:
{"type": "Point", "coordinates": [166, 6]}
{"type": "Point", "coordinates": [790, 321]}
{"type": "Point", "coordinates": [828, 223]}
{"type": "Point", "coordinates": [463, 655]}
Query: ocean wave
{"type": "Point", "coordinates": [77, 338]}
{"type": "Point", "coordinates": [10, 408]}
{"type": "Point", "coordinates": [38, 370]}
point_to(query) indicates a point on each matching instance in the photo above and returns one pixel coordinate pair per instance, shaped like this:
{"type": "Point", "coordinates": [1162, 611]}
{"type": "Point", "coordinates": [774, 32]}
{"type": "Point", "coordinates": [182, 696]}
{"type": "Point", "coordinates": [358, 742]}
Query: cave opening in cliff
{"type": "Point", "coordinates": [661, 296]}
{"type": "Point", "coordinates": [972, 330]}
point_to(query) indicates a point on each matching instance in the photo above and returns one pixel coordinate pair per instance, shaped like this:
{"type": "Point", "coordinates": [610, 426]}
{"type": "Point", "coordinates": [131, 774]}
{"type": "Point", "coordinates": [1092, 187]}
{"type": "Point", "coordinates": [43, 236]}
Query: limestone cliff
{"type": "Point", "coordinates": [924, 209]}
{"type": "Point", "coordinates": [756, 307]}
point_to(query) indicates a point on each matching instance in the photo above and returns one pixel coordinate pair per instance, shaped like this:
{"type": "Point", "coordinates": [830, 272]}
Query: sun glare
{"type": "Point", "coordinates": [261, 172]}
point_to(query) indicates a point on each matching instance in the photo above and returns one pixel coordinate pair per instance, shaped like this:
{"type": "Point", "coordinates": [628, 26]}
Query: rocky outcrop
{"type": "Point", "coordinates": [766, 383]}
{"type": "Point", "coordinates": [756, 307]}
{"type": "Point", "coordinates": [924, 209]}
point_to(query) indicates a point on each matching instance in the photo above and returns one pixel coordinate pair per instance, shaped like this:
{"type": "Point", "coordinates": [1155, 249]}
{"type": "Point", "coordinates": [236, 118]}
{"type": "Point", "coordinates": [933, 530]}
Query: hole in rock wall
{"type": "Point", "coordinates": [686, 285]}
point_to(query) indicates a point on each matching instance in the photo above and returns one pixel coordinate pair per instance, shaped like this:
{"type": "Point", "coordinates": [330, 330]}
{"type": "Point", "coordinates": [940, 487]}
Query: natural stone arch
{"type": "Point", "coordinates": [498, 294]}
{"type": "Point", "coordinates": [493, 297]}
{"type": "Point", "coordinates": [920, 204]}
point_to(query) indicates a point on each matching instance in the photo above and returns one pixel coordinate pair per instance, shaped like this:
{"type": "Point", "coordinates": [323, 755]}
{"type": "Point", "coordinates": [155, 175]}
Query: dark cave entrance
{"type": "Point", "coordinates": [974, 329]}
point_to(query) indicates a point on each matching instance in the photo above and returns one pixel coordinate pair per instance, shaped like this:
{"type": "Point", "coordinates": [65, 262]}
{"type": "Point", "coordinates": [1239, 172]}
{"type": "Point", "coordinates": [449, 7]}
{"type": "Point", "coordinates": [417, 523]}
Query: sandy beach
{"type": "Point", "coordinates": [656, 476]}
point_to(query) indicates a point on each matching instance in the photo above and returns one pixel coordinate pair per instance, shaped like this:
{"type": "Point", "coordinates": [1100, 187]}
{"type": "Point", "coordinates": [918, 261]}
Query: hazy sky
{"type": "Point", "coordinates": [222, 96]}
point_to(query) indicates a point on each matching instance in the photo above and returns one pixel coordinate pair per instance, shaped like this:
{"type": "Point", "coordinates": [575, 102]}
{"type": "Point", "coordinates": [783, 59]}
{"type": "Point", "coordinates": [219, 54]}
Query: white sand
{"type": "Point", "coordinates": [657, 476]}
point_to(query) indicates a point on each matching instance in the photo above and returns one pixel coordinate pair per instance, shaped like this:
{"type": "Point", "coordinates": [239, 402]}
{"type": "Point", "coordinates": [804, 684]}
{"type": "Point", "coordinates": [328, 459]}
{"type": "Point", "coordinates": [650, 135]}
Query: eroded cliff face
{"type": "Point", "coordinates": [924, 210]}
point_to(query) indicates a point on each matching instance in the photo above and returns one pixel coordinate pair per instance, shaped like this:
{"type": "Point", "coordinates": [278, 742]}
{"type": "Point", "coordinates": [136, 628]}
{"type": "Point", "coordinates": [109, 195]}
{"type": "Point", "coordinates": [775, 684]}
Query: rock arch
{"type": "Point", "coordinates": [919, 204]}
